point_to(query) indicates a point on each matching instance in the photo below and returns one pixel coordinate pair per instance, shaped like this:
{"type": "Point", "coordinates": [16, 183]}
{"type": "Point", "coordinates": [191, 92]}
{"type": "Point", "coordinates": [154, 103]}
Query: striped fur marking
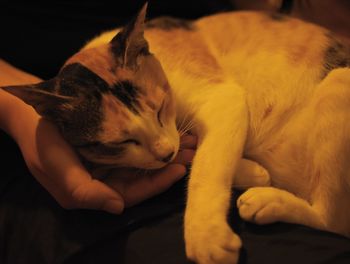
{"type": "Point", "coordinates": [128, 94]}
{"type": "Point", "coordinates": [76, 79]}
{"type": "Point", "coordinates": [336, 56]}
{"type": "Point", "coordinates": [278, 17]}
{"type": "Point", "coordinates": [104, 149]}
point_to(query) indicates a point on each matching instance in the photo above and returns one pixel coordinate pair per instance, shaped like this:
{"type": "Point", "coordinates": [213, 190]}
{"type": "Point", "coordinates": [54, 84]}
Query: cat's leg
{"type": "Point", "coordinates": [250, 174]}
{"type": "Point", "coordinates": [221, 127]}
{"type": "Point", "coordinates": [330, 140]}
{"type": "Point", "coordinates": [327, 150]}
{"type": "Point", "coordinates": [265, 205]}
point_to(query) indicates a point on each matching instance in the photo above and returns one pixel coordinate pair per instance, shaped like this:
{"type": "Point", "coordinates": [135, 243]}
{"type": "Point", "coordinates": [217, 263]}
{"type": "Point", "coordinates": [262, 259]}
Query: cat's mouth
{"type": "Point", "coordinates": [157, 162]}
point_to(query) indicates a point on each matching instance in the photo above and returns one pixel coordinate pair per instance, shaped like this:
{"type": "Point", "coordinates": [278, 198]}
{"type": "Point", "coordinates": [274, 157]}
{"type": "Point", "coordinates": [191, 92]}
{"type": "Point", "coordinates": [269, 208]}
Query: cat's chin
{"type": "Point", "coordinates": [154, 166]}
{"type": "Point", "coordinates": [111, 164]}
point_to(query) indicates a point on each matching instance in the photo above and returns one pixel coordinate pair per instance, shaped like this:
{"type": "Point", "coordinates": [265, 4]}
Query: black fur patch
{"type": "Point", "coordinates": [169, 23]}
{"type": "Point", "coordinates": [336, 56]}
{"type": "Point", "coordinates": [129, 43]}
{"type": "Point", "coordinates": [81, 122]}
{"type": "Point", "coordinates": [128, 94]}
{"type": "Point", "coordinates": [105, 150]}
{"type": "Point", "coordinates": [118, 49]}
{"type": "Point", "coordinates": [76, 79]}
{"type": "Point", "coordinates": [49, 86]}
{"type": "Point", "coordinates": [286, 7]}
{"type": "Point", "coordinates": [278, 17]}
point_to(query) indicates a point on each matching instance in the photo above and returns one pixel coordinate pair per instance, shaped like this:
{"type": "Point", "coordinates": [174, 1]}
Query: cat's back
{"type": "Point", "coordinates": [278, 59]}
{"type": "Point", "coordinates": [261, 43]}
{"type": "Point", "coordinates": [234, 41]}
{"type": "Point", "coordinates": [251, 46]}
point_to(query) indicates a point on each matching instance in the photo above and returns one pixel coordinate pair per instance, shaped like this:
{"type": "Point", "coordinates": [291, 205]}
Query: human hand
{"type": "Point", "coordinates": [10, 75]}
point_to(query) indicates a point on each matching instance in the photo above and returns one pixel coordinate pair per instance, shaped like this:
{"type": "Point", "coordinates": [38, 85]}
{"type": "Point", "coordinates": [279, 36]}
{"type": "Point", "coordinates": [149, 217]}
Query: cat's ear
{"type": "Point", "coordinates": [130, 43]}
{"type": "Point", "coordinates": [41, 96]}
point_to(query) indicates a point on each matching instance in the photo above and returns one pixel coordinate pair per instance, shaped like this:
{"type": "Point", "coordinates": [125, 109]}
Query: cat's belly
{"type": "Point", "coordinates": [284, 154]}
{"type": "Point", "coordinates": [287, 168]}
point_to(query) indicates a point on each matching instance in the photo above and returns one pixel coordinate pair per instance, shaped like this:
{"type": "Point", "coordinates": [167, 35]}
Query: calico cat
{"type": "Point", "coordinates": [269, 88]}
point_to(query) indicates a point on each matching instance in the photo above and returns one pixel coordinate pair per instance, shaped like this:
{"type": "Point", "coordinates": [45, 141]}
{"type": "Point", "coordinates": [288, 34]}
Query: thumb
{"type": "Point", "coordinates": [97, 195]}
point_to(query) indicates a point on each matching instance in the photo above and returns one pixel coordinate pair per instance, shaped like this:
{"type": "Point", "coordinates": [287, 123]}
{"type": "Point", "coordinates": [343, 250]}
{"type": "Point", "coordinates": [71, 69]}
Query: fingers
{"type": "Point", "coordinates": [145, 186]}
{"type": "Point", "coordinates": [65, 177]}
{"type": "Point", "coordinates": [96, 195]}
{"type": "Point", "coordinates": [188, 142]}
{"type": "Point", "coordinates": [186, 153]}
{"type": "Point", "coordinates": [184, 157]}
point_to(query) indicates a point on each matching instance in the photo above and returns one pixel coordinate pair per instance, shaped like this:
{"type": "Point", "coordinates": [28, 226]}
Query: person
{"type": "Point", "coordinates": [56, 166]}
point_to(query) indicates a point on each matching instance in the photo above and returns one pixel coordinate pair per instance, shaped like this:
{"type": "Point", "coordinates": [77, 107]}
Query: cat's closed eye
{"type": "Point", "coordinates": [159, 114]}
{"type": "Point", "coordinates": [130, 141]}
{"type": "Point", "coordinates": [89, 144]}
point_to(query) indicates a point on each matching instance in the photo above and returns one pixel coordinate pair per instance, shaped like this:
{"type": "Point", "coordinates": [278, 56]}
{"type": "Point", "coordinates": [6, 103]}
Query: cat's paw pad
{"type": "Point", "coordinates": [217, 245]}
{"type": "Point", "coordinates": [261, 205]}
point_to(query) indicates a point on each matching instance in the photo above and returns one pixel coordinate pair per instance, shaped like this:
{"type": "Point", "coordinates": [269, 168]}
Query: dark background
{"type": "Point", "coordinates": [39, 36]}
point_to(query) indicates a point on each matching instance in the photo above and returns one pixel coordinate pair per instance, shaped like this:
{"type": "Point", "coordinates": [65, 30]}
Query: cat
{"type": "Point", "coordinates": [261, 89]}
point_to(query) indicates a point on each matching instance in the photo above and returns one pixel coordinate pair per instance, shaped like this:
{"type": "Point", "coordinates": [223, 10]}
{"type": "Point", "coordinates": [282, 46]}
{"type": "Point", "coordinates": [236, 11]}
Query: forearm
{"type": "Point", "coordinates": [14, 111]}
{"type": "Point", "coordinates": [15, 115]}
{"type": "Point", "coordinates": [9, 75]}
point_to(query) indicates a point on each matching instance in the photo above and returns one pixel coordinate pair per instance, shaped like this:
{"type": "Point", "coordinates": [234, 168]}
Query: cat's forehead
{"type": "Point", "coordinates": [120, 122]}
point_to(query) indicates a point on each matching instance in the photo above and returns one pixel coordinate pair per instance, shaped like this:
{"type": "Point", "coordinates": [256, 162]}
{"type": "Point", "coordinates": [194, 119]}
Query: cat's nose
{"type": "Point", "coordinates": [168, 157]}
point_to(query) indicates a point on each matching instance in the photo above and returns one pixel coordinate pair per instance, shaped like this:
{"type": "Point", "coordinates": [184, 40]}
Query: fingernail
{"type": "Point", "coordinates": [114, 207]}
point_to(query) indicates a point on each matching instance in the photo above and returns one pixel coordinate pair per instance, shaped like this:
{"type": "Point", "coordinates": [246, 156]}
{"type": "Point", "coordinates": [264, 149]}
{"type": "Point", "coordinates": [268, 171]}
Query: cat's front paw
{"type": "Point", "coordinates": [212, 243]}
{"type": "Point", "coordinates": [263, 205]}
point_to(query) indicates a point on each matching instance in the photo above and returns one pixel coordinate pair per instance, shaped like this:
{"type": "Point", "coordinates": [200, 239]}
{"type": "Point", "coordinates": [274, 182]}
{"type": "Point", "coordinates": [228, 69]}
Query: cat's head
{"type": "Point", "coordinates": [113, 103]}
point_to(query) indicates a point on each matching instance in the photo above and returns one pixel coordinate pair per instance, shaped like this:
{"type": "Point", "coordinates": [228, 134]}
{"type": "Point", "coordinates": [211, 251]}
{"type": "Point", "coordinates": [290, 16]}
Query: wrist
{"type": "Point", "coordinates": [15, 116]}
{"type": "Point", "coordinates": [6, 108]}
{"type": "Point", "coordinates": [10, 75]}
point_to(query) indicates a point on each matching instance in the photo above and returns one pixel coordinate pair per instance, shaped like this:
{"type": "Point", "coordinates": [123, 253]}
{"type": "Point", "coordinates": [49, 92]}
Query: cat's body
{"type": "Point", "coordinates": [278, 77]}
{"type": "Point", "coordinates": [278, 62]}
{"type": "Point", "coordinates": [261, 87]}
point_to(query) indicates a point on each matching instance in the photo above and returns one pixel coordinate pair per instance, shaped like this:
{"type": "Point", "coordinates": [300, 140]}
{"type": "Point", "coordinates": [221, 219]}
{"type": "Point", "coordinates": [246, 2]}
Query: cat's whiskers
{"type": "Point", "coordinates": [186, 128]}
{"type": "Point", "coordinates": [183, 121]}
